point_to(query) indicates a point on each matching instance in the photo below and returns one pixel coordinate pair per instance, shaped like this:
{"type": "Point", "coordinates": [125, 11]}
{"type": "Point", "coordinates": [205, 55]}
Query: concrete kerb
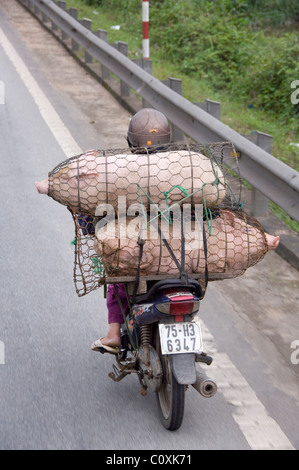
{"type": "Point", "coordinates": [288, 247]}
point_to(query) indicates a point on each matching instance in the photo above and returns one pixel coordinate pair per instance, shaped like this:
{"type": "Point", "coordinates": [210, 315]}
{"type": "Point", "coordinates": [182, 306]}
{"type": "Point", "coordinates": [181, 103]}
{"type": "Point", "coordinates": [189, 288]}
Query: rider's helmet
{"type": "Point", "coordinates": [148, 128]}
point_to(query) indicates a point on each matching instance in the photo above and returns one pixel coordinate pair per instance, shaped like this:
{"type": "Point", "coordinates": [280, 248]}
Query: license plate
{"type": "Point", "coordinates": [177, 338]}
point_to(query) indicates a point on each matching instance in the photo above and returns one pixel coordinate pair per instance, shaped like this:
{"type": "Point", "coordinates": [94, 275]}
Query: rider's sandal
{"type": "Point", "coordinates": [97, 346]}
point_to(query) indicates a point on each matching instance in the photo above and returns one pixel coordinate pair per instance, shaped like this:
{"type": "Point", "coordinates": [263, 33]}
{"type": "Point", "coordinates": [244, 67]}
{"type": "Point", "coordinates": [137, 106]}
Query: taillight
{"type": "Point", "coordinates": [181, 305]}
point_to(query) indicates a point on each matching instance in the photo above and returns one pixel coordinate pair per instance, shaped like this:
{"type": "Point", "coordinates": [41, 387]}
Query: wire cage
{"type": "Point", "coordinates": [181, 204]}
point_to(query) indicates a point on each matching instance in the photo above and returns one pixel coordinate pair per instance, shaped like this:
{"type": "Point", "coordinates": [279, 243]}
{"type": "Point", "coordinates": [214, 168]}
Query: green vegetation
{"type": "Point", "coordinates": [242, 53]}
{"type": "Point", "coordinates": [220, 44]}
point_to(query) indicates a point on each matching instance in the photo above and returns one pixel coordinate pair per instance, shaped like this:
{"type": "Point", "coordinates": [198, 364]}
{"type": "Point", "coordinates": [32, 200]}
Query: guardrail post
{"type": "Point", "coordinates": [211, 107]}
{"type": "Point", "coordinates": [74, 14]}
{"type": "Point", "coordinates": [102, 34]}
{"type": "Point", "coordinates": [260, 202]}
{"type": "Point", "coordinates": [54, 26]}
{"type": "Point", "coordinates": [147, 66]}
{"type": "Point", "coordinates": [36, 10]}
{"type": "Point", "coordinates": [62, 5]}
{"type": "Point", "coordinates": [44, 17]}
{"type": "Point", "coordinates": [123, 48]}
{"type": "Point", "coordinates": [175, 84]}
{"type": "Point", "coordinates": [87, 24]}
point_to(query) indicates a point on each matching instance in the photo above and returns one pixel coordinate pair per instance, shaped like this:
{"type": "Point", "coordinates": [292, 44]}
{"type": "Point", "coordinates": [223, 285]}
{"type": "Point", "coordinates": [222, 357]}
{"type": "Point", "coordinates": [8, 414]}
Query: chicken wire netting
{"type": "Point", "coordinates": [123, 199]}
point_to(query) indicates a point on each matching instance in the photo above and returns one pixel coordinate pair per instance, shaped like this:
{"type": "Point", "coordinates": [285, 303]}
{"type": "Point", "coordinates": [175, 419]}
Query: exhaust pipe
{"type": "Point", "coordinates": [205, 386]}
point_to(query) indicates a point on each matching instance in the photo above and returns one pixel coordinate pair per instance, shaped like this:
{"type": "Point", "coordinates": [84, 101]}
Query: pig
{"type": "Point", "coordinates": [84, 182]}
{"type": "Point", "coordinates": [234, 243]}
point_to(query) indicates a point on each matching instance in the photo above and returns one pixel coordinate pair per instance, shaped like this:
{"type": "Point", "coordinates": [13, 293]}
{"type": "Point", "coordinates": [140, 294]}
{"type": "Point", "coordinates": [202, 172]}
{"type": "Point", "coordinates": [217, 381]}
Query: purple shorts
{"type": "Point", "coordinates": [114, 311]}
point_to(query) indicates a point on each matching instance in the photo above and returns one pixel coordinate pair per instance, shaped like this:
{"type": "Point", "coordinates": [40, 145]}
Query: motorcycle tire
{"type": "Point", "coordinates": [171, 395]}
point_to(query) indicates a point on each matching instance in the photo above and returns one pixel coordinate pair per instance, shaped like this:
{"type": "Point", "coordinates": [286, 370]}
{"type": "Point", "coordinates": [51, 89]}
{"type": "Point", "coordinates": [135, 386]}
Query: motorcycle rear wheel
{"type": "Point", "coordinates": [170, 396]}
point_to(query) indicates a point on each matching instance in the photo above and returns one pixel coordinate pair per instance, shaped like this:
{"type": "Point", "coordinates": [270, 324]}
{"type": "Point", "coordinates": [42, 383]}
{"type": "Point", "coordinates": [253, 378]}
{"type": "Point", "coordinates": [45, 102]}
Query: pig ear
{"type": "Point", "coordinates": [87, 179]}
{"type": "Point", "coordinates": [86, 176]}
{"type": "Point", "coordinates": [227, 220]}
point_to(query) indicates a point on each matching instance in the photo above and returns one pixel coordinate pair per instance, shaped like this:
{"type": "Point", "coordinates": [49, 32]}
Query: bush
{"type": "Point", "coordinates": [124, 5]}
{"type": "Point", "coordinates": [227, 42]}
{"type": "Point", "coordinates": [269, 84]}
{"type": "Point", "coordinates": [214, 40]}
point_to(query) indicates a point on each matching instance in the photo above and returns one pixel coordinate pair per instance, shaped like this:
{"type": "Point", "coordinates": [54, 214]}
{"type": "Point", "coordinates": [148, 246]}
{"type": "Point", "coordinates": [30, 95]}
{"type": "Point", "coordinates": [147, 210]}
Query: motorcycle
{"type": "Point", "coordinates": [161, 342]}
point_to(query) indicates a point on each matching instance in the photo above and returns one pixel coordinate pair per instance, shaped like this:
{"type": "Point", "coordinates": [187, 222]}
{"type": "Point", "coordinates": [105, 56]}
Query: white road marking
{"type": "Point", "coordinates": [61, 133]}
{"type": "Point", "coordinates": [259, 429]}
{"type": "Point", "coordinates": [2, 92]}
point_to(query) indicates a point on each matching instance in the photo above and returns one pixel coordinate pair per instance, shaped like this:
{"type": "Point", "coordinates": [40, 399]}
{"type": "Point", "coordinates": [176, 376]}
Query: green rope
{"type": "Point", "coordinates": [132, 316]}
{"type": "Point", "coordinates": [208, 212]}
{"type": "Point", "coordinates": [166, 210]}
{"type": "Point", "coordinates": [239, 204]}
{"type": "Point", "coordinates": [97, 266]}
{"type": "Point", "coordinates": [183, 190]}
{"type": "Point", "coordinates": [124, 316]}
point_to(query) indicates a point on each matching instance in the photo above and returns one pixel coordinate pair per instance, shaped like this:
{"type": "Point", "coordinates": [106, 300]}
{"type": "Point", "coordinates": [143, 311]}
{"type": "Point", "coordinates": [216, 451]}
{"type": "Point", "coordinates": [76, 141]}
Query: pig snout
{"type": "Point", "coordinates": [42, 186]}
{"type": "Point", "coordinates": [272, 241]}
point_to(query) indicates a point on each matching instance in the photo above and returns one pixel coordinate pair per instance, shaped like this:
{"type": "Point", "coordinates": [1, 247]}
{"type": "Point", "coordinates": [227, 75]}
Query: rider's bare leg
{"type": "Point", "coordinates": [113, 336]}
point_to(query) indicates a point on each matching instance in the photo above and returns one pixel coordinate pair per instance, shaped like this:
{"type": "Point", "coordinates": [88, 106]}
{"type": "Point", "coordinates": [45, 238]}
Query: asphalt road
{"type": "Point", "coordinates": [54, 392]}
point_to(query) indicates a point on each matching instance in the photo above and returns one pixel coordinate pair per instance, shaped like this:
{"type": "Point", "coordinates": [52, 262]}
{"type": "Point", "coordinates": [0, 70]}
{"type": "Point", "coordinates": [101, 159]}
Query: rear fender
{"type": "Point", "coordinates": [183, 368]}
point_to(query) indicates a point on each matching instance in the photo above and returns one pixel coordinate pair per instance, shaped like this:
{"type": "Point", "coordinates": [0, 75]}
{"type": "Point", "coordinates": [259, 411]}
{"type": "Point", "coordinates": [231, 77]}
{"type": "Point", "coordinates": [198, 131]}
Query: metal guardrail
{"type": "Point", "coordinates": [269, 176]}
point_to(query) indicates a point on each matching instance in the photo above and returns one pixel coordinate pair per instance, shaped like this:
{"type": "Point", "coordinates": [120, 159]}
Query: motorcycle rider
{"type": "Point", "coordinates": [148, 132]}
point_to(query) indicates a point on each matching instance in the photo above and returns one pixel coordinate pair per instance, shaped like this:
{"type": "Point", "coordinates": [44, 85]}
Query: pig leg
{"type": "Point", "coordinates": [272, 241]}
{"type": "Point", "coordinates": [42, 186]}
